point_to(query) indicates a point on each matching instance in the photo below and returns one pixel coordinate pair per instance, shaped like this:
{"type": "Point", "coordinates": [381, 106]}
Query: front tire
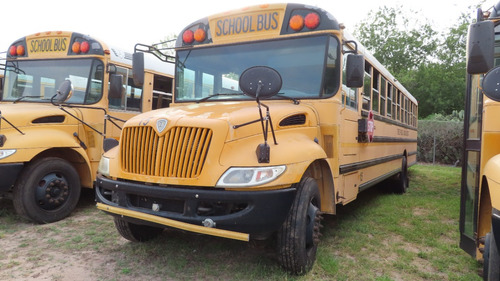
{"type": "Point", "coordinates": [136, 232]}
{"type": "Point", "coordinates": [491, 269]}
{"type": "Point", "coordinates": [298, 237]}
{"type": "Point", "coordinates": [47, 190]}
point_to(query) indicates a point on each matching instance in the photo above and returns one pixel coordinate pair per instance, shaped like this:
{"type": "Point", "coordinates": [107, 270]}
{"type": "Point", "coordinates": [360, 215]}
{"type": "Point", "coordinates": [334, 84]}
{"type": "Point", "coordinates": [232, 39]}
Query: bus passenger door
{"type": "Point", "coordinates": [471, 165]}
{"type": "Point", "coordinates": [162, 91]}
{"type": "Point", "coordinates": [349, 115]}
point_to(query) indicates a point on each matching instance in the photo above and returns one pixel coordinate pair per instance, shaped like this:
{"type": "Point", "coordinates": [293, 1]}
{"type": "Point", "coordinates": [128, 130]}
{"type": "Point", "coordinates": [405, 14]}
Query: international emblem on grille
{"type": "Point", "coordinates": [161, 124]}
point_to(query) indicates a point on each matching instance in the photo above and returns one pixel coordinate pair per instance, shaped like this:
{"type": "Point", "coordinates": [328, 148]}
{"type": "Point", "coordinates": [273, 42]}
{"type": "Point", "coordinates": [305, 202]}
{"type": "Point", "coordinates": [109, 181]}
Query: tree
{"type": "Point", "coordinates": [386, 35]}
{"type": "Point", "coordinates": [429, 64]}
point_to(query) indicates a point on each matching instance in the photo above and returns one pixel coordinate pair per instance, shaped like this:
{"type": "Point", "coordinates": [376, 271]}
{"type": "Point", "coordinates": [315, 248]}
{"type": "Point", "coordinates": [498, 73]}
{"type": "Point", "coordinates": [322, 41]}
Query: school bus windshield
{"type": "Point", "coordinates": [38, 80]}
{"type": "Point", "coordinates": [301, 62]}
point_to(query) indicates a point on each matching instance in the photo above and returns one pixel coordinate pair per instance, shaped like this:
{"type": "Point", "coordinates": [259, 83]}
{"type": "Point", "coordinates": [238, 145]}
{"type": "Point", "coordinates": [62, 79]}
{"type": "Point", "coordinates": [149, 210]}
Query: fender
{"type": "Point", "coordinates": [490, 213]}
{"type": "Point", "coordinates": [50, 142]}
{"type": "Point", "coordinates": [36, 140]}
{"type": "Point", "coordinates": [297, 149]}
{"type": "Point", "coordinates": [492, 174]}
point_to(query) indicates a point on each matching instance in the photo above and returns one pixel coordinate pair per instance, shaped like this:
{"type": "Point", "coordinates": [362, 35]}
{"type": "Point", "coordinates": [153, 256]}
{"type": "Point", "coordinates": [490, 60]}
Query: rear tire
{"type": "Point", "coordinates": [136, 232]}
{"type": "Point", "coordinates": [298, 237]}
{"type": "Point", "coordinates": [47, 190]}
{"type": "Point", "coordinates": [402, 183]}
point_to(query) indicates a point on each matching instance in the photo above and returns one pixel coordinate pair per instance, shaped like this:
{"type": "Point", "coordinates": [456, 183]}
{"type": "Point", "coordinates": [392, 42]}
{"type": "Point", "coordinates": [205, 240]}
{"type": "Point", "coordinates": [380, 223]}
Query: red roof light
{"type": "Point", "coordinates": [84, 47]}
{"type": "Point", "coordinates": [312, 20]}
{"type": "Point", "coordinates": [188, 36]}
{"type": "Point", "coordinates": [13, 50]}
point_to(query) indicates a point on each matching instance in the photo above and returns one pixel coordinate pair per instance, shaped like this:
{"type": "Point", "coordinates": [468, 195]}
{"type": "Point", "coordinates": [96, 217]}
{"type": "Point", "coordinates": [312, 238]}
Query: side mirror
{"type": "Point", "coordinates": [64, 92]}
{"type": "Point", "coordinates": [115, 86]}
{"type": "Point", "coordinates": [480, 47]}
{"type": "Point", "coordinates": [491, 84]}
{"type": "Point", "coordinates": [355, 70]}
{"type": "Point", "coordinates": [260, 82]}
{"type": "Point", "coordinates": [138, 69]}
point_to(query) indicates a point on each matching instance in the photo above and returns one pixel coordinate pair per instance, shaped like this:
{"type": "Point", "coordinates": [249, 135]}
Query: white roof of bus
{"type": "Point", "coordinates": [380, 67]}
{"type": "Point", "coordinates": [150, 61]}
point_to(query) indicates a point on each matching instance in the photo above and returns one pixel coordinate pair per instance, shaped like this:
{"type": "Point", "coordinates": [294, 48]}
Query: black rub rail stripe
{"type": "Point", "coordinates": [365, 164]}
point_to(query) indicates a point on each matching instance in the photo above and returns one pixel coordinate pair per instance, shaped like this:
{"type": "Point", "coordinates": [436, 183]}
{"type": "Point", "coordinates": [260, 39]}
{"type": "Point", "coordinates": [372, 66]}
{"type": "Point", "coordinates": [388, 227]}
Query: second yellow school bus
{"type": "Point", "coordinates": [278, 116]}
{"type": "Point", "coordinates": [51, 142]}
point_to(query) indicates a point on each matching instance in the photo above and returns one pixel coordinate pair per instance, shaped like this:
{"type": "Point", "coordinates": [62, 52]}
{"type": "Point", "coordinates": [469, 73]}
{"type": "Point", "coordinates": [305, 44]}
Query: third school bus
{"type": "Point", "coordinates": [278, 116]}
{"type": "Point", "coordinates": [480, 191]}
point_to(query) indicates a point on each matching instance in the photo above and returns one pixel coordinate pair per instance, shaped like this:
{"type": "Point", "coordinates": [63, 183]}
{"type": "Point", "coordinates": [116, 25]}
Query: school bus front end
{"type": "Point", "coordinates": [203, 172]}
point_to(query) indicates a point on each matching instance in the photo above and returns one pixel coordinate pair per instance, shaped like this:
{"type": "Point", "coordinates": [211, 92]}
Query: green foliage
{"type": "Point", "coordinates": [457, 116]}
{"type": "Point", "coordinates": [388, 35]}
{"type": "Point", "coordinates": [430, 64]}
{"type": "Point", "coordinates": [440, 139]}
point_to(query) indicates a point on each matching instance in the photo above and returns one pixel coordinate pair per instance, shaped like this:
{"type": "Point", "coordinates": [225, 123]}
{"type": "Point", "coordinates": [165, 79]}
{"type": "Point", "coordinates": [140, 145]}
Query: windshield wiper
{"type": "Point", "coordinates": [23, 97]}
{"type": "Point", "coordinates": [219, 94]}
{"type": "Point", "coordinates": [282, 95]}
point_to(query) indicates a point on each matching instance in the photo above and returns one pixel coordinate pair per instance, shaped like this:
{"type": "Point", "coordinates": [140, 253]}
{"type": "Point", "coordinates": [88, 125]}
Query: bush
{"type": "Point", "coordinates": [445, 136]}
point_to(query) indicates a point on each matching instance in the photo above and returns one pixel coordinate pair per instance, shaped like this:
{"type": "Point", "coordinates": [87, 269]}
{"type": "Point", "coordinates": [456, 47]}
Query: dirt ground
{"type": "Point", "coordinates": [86, 246]}
{"type": "Point", "coordinates": [55, 251]}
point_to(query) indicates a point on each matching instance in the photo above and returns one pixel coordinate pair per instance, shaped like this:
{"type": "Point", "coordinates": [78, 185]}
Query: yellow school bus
{"type": "Point", "coordinates": [278, 117]}
{"type": "Point", "coordinates": [480, 189]}
{"type": "Point", "coordinates": [52, 137]}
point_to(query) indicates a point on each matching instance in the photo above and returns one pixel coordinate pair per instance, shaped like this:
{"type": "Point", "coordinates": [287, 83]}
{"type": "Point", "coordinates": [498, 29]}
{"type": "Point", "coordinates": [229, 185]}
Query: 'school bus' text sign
{"type": "Point", "coordinates": [53, 45]}
{"type": "Point", "coordinates": [229, 26]}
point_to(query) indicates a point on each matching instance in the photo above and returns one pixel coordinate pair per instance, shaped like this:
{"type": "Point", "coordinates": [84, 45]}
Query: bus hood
{"type": "Point", "coordinates": [240, 119]}
{"type": "Point", "coordinates": [22, 115]}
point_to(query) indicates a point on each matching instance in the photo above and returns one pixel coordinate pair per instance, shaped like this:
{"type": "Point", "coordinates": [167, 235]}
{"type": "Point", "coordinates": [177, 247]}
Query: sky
{"type": "Point", "coordinates": [122, 24]}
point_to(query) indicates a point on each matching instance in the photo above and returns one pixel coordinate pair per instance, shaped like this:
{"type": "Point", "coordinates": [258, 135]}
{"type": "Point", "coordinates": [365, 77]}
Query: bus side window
{"type": "Point", "coordinates": [367, 86]}
{"type": "Point", "coordinates": [389, 99]}
{"type": "Point", "coordinates": [406, 110]}
{"type": "Point", "coordinates": [162, 92]}
{"type": "Point", "coordinates": [349, 95]}
{"type": "Point", "coordinates": [398, 106]}
{"type": "Point", "coordinates": [383, 95]}
{"type": "Point", "coordinates": [394, 107]}
{"type": "Point", "coordinates": [375, 91]}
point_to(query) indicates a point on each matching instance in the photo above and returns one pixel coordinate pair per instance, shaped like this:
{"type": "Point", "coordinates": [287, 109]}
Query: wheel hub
{"type": "Point", "coordinates": [52, 191]}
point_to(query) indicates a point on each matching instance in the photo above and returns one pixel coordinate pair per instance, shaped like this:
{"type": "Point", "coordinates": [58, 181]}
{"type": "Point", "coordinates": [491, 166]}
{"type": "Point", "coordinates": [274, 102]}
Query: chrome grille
{"type": "Point", "coordinates": [180, 153]}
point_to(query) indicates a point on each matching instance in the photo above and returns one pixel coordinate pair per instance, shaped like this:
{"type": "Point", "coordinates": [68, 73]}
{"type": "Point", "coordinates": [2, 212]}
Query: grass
{"type": "Point", "coordinates": [379, 236]}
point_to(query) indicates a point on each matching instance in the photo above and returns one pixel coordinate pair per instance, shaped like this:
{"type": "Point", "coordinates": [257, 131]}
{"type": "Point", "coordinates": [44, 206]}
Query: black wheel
{"type": "Point", "coordinates": [402, 183]}
{"type": "Point", "coordinates": [136, 232]}
{"type": "Point", "coordinates": [47, 190]}
{"type": "Point", "coordinates": [298, 237]}
{"type": "Point", "coordinates": [491, 267]}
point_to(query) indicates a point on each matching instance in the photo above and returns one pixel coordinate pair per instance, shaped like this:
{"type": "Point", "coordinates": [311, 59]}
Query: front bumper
{"type": "Point", "coordinates": [8, 175]}
{"type": "Point", "coordinates": [258, 213]}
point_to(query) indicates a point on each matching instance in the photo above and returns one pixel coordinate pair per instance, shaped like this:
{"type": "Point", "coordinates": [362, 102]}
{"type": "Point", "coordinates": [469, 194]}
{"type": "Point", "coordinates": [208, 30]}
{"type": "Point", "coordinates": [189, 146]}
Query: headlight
{"type": "Point", "coordinates": [103, 168]}
{"type": "Point", "coordinates": [4, 153]}
{"type": "Point", "coordinates": [245, 177]}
